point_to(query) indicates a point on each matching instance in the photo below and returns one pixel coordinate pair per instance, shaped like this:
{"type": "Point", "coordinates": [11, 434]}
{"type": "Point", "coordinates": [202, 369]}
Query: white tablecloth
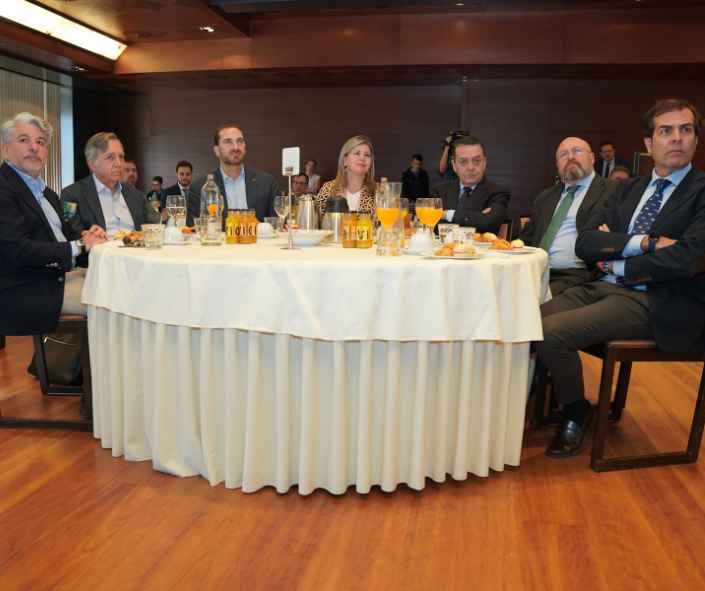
{"type": "Point", "coordinates": [321, 367]}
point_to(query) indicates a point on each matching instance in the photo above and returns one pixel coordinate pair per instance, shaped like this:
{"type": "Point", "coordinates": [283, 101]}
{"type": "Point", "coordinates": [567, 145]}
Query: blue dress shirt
{"type": "Point", "coordinates": [235, 190]}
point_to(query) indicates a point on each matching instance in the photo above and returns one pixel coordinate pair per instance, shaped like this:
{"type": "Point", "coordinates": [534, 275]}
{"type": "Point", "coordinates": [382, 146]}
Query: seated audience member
{"type": "Point", "coordinates": [562, 210]}
{"type": "Point", "coordinates": [130, 175]}
{"type": "Point", "coordinates": [619, 173]}
{"type": "Point", "coordinates": [472, 200]}
{"type": "Point", "coordinates": [242, 186]}
{"type": "Point", "coordinates": [299, 184]}
{"type": "Point", "coordinates": [38, 249]}
{"type": "Point", "coordinates": [609, 160]}
{"type": "Point", "coordinates": [649, 239]}
{"type": "Point", "coordinates": [355, 179]}
{"type": "Point", "coordinates": [100, 198]}
{"type": "Point", "coordinates": [414, 180]}
{"type": "Point", "coordinates": [314, 179]}
{"type": "Point", "coordinates": [184, 178]}
{"type": "Point", "coordinates": [155, 193]}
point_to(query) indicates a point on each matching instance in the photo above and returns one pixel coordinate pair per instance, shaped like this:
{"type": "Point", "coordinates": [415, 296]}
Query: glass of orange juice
{"type": "Point", "coordinates": [388, 210]}
{"type": "Point", "coordinates": [430, 211]}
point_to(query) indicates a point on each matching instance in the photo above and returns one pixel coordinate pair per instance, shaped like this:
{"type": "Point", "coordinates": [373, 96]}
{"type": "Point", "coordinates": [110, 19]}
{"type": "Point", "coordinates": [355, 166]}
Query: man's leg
{"type": "Point", "coordinates": [586, 315]}
{"type": "Point", "coordinates": [562, 279]}
{"type": "Point", "coordinates": [73, 286]}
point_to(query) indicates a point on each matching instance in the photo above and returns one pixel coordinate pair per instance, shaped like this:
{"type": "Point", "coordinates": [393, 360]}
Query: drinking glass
{"type": "Point", "coordinates": [430, 211]}
{"type": "Point", "coordinates": [388, 211]}
{"type": "Point", "coordinates": [445, 229]}
{"type": "Point", "coordinates": [273, 221]}
{"type": "Point", "coordinates": [176, 208]}
{"type": "Point", "coordinates": [153, 235]}
{"type": "Point", "coordinates": [281, 207]}
{"type": "Point", "coordinates": [200, 225]}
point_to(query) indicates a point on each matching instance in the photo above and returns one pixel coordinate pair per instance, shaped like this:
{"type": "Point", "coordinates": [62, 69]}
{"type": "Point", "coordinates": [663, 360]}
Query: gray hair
{"type": "Point", "coordinates": [98, 144]}
{"type": "Point", "coordinates": [8, 127]}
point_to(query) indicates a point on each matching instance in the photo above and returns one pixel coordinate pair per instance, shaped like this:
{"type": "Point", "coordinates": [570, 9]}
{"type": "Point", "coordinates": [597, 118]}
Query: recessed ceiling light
{"type": "Point", "coordinates": [55, 25]}
{"type": "Point", "coordinates": [206, 29]}
{"type": "Point", "coordinates": [459, 4]}
{"type": "Point", "coordinates": [77, 68]}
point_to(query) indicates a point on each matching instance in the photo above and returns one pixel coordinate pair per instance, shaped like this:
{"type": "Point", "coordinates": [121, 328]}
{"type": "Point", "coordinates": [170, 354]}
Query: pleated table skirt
{"type": "Point", "coordinates": [252, 410]}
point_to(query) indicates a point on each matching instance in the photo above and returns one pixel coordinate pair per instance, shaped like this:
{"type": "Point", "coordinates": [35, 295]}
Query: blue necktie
{"type": "Point", "coordinates": [648, 213]}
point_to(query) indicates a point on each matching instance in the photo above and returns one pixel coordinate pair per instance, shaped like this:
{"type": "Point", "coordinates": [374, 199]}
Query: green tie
{"type": "Point", "coordinates": [558, 218]}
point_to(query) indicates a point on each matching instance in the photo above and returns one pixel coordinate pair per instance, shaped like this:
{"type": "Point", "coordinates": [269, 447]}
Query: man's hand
{"type": "Point", "coordinates": [165, 215]}
{"type": "Point", "coordinates": [604, 228]}
{"type": "Point", "coordinates": [604, 266]}
{"type": "Point", "coordinates": [96, 231]}
{"type": "Point", "coordinates": [662, 242]}
{"type": "Point", "coordinates": [487, 210]}
{"type": "Point", "coordinates": [90, 239]}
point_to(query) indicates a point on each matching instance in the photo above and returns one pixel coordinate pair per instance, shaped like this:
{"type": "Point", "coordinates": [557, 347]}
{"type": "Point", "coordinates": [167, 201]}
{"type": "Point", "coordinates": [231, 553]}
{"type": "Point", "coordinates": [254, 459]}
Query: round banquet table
{"type": "Point", "coordinates": [321, 367]}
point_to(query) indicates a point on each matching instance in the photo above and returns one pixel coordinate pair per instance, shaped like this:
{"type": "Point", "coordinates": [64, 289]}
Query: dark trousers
{"type": "Point", "coordinates": [562, 279]}
{"type": "Point", "coordinates": [585, 315]}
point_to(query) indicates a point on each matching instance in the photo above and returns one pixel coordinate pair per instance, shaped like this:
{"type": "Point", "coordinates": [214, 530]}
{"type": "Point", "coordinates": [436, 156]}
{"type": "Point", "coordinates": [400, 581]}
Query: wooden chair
{"type": "Point", "coordinates": [67, 324]}
{"type": "Point", "coordinates": [626, 352]}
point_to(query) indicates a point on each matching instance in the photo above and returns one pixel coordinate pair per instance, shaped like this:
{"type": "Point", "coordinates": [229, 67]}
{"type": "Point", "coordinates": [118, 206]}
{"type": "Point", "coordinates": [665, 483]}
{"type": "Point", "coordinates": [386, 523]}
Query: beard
{"type": "Point", "coordinates": [573, 171]}
{"type": "Point", "coordinates": [233, 159]}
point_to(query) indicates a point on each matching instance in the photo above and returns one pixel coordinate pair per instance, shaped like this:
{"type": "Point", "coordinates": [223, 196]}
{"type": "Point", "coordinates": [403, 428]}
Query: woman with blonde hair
{"type": "Point", "coordinates": [355, 180]}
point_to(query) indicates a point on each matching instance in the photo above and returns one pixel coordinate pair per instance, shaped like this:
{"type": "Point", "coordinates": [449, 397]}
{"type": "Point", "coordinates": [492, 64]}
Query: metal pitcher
{"type": "Point", "coordinates": [333, 218]}
{"type": "Point", "coordinates": [307, 214]}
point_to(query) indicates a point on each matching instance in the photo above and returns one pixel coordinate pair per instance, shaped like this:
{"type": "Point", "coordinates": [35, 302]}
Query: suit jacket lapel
{"type": "Point", "coordinates": [26, 194]}
{"type": "Point", "coordinates": [250, 189]}
{"type": "Point", "coordinates": [134, 203]}
{"type": "Point", "coordinates": [593, 194]}
{"type": "Point", "coordinates": [631, 200]}
{"type": "Point", "coordinates": [93, 202]}
{"type": "Point", "coordinates": [676, 199]}
{"type": "Point", "coordinates": [477, 198]}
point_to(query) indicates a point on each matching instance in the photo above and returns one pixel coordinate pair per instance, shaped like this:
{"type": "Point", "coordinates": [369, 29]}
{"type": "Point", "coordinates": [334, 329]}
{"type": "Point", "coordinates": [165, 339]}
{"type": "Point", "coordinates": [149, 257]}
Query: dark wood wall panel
{"type": "Point", "coordinates": [399, 120]}
{"type": "Point", "coordinates": [520, 121]}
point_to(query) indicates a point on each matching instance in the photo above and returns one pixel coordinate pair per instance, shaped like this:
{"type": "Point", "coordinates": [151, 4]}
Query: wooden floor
{"type": "Point", "coordinates": [73, 517]}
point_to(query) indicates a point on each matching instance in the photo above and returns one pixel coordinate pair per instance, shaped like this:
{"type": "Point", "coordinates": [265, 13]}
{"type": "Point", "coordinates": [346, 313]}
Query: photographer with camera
{"type": "Point", "coordinates": [445, 170]}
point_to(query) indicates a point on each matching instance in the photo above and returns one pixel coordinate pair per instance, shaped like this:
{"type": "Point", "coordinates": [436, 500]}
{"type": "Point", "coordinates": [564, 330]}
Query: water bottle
{"type": "Point", "coordinates": [212, 213]}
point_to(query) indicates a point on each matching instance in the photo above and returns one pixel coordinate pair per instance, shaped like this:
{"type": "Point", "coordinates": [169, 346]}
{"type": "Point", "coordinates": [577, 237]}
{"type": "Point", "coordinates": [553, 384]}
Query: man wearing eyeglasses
{"type": "Point", "coordinates": [242, 187]}
{"type": "Point", "coordinates": [472, 199]}
{"type": "Point", "coordinates": [649, 240]}
{"type": "Point", "coordinates": [561, 211]}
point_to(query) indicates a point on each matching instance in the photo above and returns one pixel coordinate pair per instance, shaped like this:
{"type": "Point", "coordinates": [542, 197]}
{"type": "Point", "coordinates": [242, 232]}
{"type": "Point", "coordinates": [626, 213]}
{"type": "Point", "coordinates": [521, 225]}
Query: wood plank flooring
{"type": "Point", "coordinates": [73, 517]}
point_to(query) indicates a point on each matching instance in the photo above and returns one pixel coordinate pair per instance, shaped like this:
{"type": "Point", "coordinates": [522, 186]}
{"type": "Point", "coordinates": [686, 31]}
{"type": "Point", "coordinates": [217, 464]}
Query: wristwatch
{"type": "Point", "coordinates": [81, 245]}
{"type": "Point", "coordinates": [653, 239]}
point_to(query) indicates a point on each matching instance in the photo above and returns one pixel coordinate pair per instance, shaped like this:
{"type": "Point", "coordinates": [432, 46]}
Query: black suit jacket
{"type": "Point", "coordinates": [675, 275]}
{"type": "Point", "coordinates": [260, 190]}
{"type": "Point", "coordinates": [413, 185]}
{"type": "Point", "coordinates": [33, 263]}
{"type": "Point", "coordinates": [88, 210]}
{"type": "Point", "coordinates": [486, 194]}
{"type": "Point", "coordinates": [617, 162]}
{"type": "Point", "coordinates": [546, 202]}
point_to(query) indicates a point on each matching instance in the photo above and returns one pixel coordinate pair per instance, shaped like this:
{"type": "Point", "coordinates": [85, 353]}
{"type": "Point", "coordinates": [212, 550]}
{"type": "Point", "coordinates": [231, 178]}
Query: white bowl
{"type": "Point", "coordinates": [265, 230]}
{"type": "Point", "coordinates": [310, 237]}
{"type": "Point", "coordinates": [419, 243]}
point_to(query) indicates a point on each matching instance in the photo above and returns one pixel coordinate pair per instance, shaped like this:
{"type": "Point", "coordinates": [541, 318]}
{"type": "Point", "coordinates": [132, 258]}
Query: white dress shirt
{"type": "Point", "coordinates": [115, 211]}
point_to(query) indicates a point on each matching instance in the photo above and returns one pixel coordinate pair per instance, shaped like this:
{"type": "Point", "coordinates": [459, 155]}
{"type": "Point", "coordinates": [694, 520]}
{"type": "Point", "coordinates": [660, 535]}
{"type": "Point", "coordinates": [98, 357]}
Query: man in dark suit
{"type": "Point", "coordinates": [649, 240]}
{"type": "Point", "coordinates": [100, 199]}
{"type": "Point", "coordinates": [561, 212]}
{"type": "Point", "coordinates": [37, 248]}
{"type": "Point", "coordinates": [184, 179]}
{"type": "Point", "coordinates": [242, 187]}
{"type": "Point", "coordinates": [472, 200]}
{"type": "Point", "coordinates": [414, 180]}
{"type": "Point", "coordinates": [609, 160]}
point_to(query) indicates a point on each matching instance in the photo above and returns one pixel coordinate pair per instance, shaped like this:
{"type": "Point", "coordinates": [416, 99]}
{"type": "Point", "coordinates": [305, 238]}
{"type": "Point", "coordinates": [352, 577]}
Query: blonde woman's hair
{"type": "Point", "coordinates": [341, 179]}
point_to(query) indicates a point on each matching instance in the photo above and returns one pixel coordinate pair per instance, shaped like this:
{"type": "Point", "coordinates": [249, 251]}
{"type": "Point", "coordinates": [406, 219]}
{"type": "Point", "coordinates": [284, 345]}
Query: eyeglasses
{"type": "Point", "coordinates": [574, 151]}
{"type": "Point", "coordinates": [474, 161]}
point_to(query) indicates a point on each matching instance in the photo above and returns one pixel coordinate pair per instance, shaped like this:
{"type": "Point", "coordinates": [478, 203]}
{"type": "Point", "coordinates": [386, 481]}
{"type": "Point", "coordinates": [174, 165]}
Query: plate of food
{"type": "Point", "coordinates": [132, 239]}
{"type": "Point", "coordinates": [485, 239]}
{"type": "Point", "coordinates": [456, 252]}
{"type": "Point", "coordinates": [514, 247]}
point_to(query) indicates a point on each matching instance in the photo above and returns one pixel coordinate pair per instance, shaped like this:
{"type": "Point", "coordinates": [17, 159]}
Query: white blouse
{"type": "Point", "coordinates": [353, 200]}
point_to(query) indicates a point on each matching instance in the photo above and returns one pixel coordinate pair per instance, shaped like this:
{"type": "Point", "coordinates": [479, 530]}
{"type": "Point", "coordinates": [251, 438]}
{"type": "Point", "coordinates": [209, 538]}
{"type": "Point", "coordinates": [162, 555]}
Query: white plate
{"type": "Point", "coordinates": [184, 243]}
{"type": "Point", "coordinates": [464, 257]}
{"type": "Point", "coordinates": [310, 237]}
{"type": "Point", "coordinates": [481, 244]}
{"type": "Point", "coordinates": [525, 250]}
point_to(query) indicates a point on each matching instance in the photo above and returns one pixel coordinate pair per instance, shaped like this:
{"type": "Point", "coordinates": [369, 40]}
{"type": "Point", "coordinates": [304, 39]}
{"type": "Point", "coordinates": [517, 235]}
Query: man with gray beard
{"type": "Point", "coordinates": [561, 211]}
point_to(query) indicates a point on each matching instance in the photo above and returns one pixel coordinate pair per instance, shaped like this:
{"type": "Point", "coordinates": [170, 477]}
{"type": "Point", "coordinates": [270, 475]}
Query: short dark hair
{"type": "Point", "coordinates": [158, 179]}
{"type": "Point", "coordinates": [310, 160]}
{"type": "Point", "coordinates": [607, 143]}
{"type": "Point", "coordinates": [418, 157]}
{"type": "Point", "coordinates": [183, 164]}
{"type": "Point", "coordinates": [668, 106]}
{"type": "Point", "coordinates": [303, 174]}
{"type": "Point", "coordinates": [216, 134]}
{"type": "Point", "coordinates": [469, 140]}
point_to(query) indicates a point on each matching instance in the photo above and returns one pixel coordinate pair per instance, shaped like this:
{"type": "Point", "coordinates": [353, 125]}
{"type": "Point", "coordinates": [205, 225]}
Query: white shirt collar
{"type": "Point", "coordinates": [101, 188]}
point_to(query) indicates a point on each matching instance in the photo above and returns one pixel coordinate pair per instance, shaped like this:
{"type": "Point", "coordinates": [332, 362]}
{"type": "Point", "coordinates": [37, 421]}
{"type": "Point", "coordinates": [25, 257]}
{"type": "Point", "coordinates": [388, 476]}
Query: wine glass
{"type": "Point", "coordinates": [430, 211]}
{"type": "Point", "coordinates": [281, 207]}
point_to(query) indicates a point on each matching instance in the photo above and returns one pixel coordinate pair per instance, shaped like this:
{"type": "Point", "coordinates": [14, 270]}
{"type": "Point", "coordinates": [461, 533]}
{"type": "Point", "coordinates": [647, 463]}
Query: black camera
{"type": "Point", "coordinates": [454, 135]}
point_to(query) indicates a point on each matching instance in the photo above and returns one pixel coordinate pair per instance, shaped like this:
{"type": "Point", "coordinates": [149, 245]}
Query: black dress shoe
{"type": "Point", "coordinates": [569, 438]}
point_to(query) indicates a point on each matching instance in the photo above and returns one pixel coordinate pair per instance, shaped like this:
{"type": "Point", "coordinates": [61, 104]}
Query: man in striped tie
{"type": "Point", "coordinates": [649, 240]}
